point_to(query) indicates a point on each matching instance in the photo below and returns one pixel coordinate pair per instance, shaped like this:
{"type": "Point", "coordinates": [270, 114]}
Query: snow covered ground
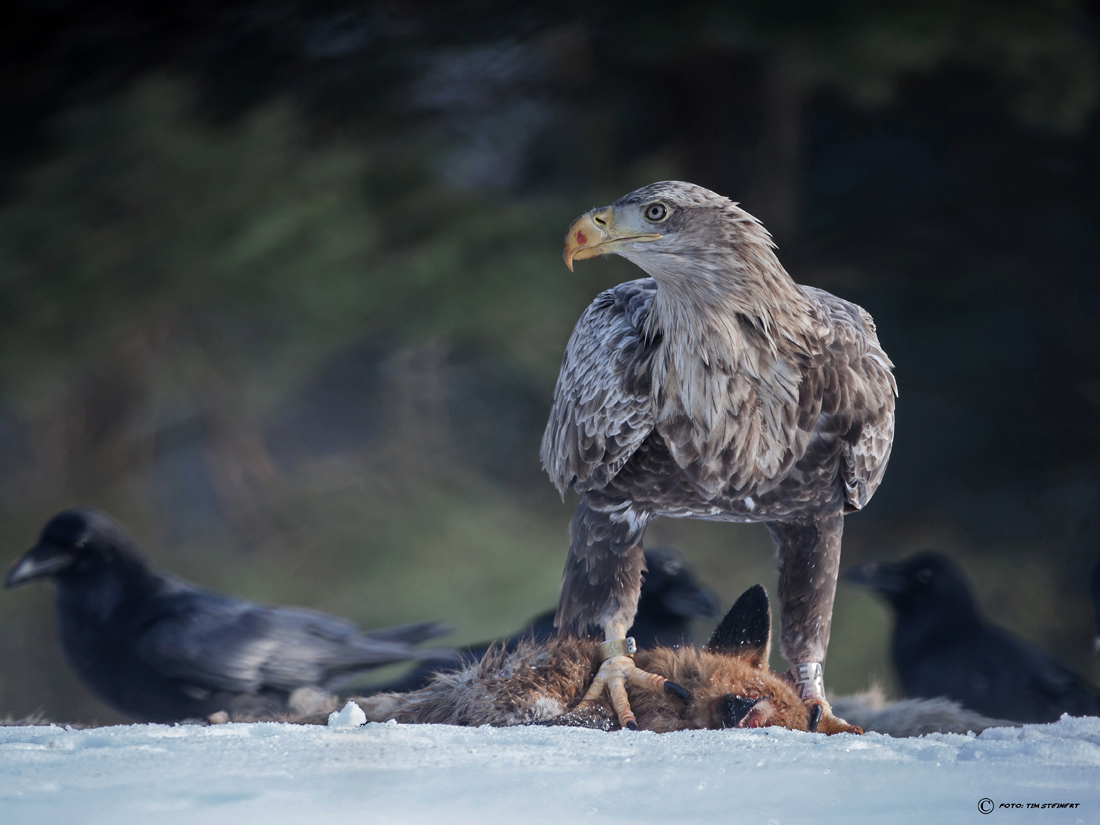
{"type": "Point", "coordinates": [386, 773]}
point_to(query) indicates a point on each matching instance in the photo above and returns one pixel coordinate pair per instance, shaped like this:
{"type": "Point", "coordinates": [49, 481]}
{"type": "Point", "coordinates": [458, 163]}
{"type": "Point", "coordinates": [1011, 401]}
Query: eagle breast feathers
{"type": "Point", "coordinates": [733, 418]}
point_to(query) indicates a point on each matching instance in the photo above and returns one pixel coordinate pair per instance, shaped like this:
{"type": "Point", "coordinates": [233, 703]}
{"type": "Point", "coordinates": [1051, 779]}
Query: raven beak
{"type": "Point", "coordinates": [594, 233]}
{"type": "Point", "coordinates": [691, 603]}
{"type": "Point", "coordinates": [39, 562]}
{"type": "Point", "coordinates": [880, 577]}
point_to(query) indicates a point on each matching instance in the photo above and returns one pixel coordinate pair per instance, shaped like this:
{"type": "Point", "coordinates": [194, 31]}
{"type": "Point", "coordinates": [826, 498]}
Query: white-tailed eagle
{"type": "Point", "coordinates": [717, 388]}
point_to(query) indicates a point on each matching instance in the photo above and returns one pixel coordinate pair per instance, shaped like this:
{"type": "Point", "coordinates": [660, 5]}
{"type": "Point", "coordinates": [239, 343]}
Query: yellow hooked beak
{"type": "Point", "coordinates": [595, 233]}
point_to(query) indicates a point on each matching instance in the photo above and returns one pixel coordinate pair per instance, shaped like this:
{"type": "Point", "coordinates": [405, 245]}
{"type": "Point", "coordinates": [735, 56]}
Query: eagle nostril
{"type": "Point", "coordinates": [600, 219]}
{"type": "Point", "coordinates": [736, 708]}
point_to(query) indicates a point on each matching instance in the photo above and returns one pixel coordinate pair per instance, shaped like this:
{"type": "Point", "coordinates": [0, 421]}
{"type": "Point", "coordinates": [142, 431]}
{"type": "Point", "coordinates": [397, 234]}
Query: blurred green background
{"type": "Point", "coordinates": [281, 287]}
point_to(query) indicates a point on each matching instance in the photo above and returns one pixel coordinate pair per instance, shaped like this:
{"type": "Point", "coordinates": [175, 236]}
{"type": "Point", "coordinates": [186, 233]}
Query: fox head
{"type": "Point", "coordinates": [729, 680]}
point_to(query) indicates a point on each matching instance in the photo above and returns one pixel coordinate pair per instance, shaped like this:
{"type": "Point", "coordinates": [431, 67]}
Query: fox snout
{"type": "Point", "coordinates": [742, 712]}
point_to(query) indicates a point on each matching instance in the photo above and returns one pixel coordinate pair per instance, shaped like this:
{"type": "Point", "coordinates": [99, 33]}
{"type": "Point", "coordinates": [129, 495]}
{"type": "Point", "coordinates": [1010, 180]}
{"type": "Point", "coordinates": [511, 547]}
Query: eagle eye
{"type": "Point", "coordinates": [656, 212]}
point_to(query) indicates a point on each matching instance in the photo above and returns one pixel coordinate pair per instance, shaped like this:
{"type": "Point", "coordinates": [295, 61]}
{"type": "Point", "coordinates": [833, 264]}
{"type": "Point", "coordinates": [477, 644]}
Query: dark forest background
{"type": "Point", "coordinates": [281, 286]}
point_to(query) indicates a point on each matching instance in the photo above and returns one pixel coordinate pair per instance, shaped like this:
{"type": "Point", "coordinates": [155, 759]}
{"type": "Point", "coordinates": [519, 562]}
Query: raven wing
{"type": "Point", "coordinates": [1056, 688]}
{"type": "Point", "coordinates": [221, 643]}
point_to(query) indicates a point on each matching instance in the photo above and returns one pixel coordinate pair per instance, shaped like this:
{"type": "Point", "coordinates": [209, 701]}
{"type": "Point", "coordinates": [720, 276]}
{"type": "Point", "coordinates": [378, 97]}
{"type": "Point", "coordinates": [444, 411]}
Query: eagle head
{"type": "Point", "coordinates": [670, 218]}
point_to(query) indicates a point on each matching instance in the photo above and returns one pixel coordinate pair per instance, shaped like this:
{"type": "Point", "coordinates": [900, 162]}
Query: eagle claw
{"type": "Point", "coordinates": [823, 720]}
{"type": "Point", "coordinates": [808, 680]}
{"type": "Point", "coordinates": [677, 691]}
{"type": "Point", "coordinates": [613, 676]}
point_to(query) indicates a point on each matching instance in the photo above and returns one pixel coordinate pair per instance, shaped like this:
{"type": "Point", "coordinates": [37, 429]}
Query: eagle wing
{"type": "Point", "coordinates": [603, 408]}
{"type": "Point", "coordinates": [858, 396]}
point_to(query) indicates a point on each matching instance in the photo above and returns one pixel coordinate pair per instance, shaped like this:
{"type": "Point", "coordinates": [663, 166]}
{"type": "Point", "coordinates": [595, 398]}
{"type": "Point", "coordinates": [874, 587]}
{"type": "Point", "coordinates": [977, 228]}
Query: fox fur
{"type": "Point", "coordinates": [729, 684]}
{"type": "Point", "coordinates": [543, 684]}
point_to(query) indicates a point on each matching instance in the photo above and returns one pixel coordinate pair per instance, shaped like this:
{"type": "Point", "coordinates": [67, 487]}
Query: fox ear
{"type": "Point", "coordinates": [746, 631]}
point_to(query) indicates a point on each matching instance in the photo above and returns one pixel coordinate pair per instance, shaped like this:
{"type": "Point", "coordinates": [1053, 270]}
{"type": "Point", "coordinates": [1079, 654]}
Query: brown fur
{"type": "Point", "coordinates": [543, 684]}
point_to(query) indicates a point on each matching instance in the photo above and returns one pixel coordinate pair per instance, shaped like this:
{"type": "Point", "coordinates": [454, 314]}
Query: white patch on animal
{"type": "Point", "coordinates": [546, 707]}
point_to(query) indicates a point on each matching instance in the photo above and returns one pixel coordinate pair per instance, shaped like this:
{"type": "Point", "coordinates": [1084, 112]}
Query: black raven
{"type": "Point", "coordinates": [159, 649]}
{"type": "Point", "coordinates": [671, 600]}
{"type": "Point", "coordinates": [943, 646]}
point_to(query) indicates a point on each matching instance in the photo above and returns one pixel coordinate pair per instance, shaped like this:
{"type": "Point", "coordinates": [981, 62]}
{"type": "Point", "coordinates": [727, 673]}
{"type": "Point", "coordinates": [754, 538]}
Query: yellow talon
{"type": "Point", "coordinates": [614, 675]}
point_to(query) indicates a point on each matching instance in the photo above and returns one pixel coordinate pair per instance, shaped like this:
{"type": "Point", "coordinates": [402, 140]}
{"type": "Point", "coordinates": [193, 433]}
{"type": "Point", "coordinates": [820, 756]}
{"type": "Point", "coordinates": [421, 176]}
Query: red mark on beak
{"type": "Point", "coordinates": [581, 238]}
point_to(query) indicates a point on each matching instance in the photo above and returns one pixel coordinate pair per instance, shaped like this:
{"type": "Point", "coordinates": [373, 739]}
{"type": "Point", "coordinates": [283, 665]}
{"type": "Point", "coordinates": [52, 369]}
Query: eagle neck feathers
{"type": "Point", "coordinates": [735, 332]}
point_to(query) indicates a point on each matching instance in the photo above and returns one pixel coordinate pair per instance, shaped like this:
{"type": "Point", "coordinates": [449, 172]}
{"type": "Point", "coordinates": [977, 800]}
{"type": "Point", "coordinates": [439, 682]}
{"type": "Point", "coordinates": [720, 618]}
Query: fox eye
{"type": "Point", "coordinates": [656, 212]}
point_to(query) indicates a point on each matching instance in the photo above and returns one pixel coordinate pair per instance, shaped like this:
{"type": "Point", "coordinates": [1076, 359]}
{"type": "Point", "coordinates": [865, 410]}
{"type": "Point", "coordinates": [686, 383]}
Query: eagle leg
{"type": "Point", "coordinates": [603, 573]}
{"type": "Point", "coordinates": [601, 585]}
{"type": "Point", "coordinates": [809, 560]}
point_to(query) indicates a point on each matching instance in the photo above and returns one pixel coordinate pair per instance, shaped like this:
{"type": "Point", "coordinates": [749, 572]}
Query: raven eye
{"type": "Point", "coordinates": [924, 576]}
{"type": "Point", "coordinates": [656, 212]}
